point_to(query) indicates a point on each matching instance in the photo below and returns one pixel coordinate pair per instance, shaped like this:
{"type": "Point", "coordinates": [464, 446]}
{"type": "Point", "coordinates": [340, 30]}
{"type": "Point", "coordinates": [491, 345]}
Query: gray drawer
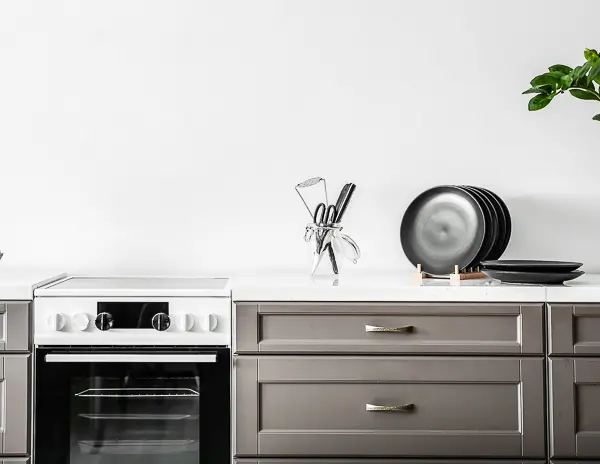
{"type": "Point", "coordinates": [421, 328]}
{"type": "Point", "coordinates": [14, 326]}
{"type": "Point", "coordinates": [14, 404]}
{"type": "Point", "coordinates": [574, 407]}
{"type": "Point", "coordinates": [14, 461]}
{"type": "Point", "coordinates": [574, 329]}
{"type": "Point", "coordinates": [385, 461]}
{"type": "Point", "coordinates": [317, 406]}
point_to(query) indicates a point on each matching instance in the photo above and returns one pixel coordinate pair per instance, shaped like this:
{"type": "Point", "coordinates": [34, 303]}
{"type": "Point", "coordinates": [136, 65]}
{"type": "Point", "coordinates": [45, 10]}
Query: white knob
{"type": "Point", "coordinates": [81, 321]}
{"type": "Point", "coordinates": [184, 322]}
{"type": "Point", "coordinates": [56, 321]}
{"type": "Point", "coordinates": [208, 322]}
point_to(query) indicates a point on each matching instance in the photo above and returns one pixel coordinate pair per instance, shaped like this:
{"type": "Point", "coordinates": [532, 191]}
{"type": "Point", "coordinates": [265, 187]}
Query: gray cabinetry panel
{"type": "Point", "coordinates": [14, 404]}
{"type": "Point", "coordinates": [384, 461]}
{"type": "Point", "coordinates": [574, 329]}
{"type": "Point", "coordinates": [503, 329]}
{"type": "Point", "coordinates": [575, 405]}
{"type": "Point", "coordinates": [14, 326]}
{"type": "Point", "coordinates": [15, 461]}
{"type": "Point", "coordinates": [445, 407]}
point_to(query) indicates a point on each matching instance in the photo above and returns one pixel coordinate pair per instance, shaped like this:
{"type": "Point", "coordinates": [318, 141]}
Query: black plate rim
{"type": "Point", "coordinates": [531, 265]}
{"type": "Point", "coordinates": [507, 217]}
{"type": "Point", "coordinates": [497, 250]}
{"type": "Point", "coordinates": [548, 278]}
{"type": "Point", "coordinates": [491, 229]}
{"type": "Point", "coordinates": [404, 226]}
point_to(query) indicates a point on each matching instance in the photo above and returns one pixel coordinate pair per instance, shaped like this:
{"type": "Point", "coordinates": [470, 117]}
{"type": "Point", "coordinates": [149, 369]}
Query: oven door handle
{"type": "Point", "coordinates": [130, 358]}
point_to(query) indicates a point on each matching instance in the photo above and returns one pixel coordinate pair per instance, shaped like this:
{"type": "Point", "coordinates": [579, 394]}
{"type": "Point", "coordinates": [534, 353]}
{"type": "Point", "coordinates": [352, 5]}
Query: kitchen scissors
{"type": "Point", "coordinates": [324, 215]}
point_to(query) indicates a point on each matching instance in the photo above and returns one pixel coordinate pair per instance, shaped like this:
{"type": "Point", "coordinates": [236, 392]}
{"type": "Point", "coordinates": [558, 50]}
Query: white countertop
{"type": "Point", "coordinates": [380, 287]}
{"type": "Point", "coordinates": [19, 284]}
{"type": "Point", "coordinates": [585, 289]}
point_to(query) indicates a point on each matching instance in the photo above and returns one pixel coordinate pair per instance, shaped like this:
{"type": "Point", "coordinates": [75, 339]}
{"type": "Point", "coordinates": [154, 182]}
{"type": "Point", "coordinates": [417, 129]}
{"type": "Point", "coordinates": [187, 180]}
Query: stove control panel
{"type": "Point", "coordinates": [133, 321]}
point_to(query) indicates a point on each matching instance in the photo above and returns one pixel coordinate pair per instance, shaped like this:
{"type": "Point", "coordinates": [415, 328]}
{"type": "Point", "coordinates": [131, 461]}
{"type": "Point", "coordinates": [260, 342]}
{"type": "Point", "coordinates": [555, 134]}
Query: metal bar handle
{"type": "Point", "coordinates": [400, 408]}
{"type": "Point", "coordinates": [405, 329]}
{"type": "Point", "coordinates": [130, 358]}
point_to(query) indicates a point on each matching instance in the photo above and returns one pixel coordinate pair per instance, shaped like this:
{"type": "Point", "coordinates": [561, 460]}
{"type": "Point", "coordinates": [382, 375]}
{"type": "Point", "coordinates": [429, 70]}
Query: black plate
{"type": "Point", "coordinates": [529, 265]}
{"type": "Point", "coordinates": [507, 224]}
{"type": "Point", "coordinates": [514, 277]}
{"type": "Point", "coordinates": [442, 227]}
{"type": "Point", "coordinates": [497, 249]}
{"type": "Point", "coordinates": [491, 224]}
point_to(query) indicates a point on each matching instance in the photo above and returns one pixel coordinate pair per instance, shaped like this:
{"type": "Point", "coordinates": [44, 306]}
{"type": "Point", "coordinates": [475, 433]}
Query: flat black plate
{"type": "Point", "coordinates": [443, 227]}
{"type": "Point", "coordinates": [491, 224]}
{"type": "Point", "coordinates": [533, 277]}
{"type": "Point", "coordinates": [530, 265]}
{"type": "Point", "coordinates": [507, 224]}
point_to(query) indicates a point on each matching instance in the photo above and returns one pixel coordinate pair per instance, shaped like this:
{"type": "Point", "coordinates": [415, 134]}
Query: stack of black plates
{"type": "Point", "coordinates": [452, 225]}
{"type": "Point", "coordinates": [532, 272]}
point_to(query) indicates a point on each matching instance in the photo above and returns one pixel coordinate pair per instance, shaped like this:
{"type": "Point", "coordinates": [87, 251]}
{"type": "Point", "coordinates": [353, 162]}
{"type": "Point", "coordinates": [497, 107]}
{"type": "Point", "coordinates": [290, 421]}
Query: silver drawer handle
{"type": "Point", "coordinates": [405, 329]}
{"type": "Point", "coordinates": [401, 408]}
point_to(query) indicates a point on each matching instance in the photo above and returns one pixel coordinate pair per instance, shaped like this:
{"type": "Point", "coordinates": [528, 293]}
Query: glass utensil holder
{"type": "Point", "coordinates": [328, 244]}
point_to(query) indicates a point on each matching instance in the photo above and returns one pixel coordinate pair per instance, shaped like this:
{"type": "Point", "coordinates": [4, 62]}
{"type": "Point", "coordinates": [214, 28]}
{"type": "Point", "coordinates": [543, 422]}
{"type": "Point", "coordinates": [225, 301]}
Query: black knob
{"type": "Point", "coordinates": [104, 321]}
{"type": "Point", "coordinates": [161, 322]}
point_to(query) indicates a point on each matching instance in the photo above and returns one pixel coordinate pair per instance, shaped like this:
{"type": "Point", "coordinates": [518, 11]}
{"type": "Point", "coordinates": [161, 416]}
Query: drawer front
{"type": "Point", "coordinates": [14, 327]}
{"type": "Point", "coordinates": [575, 406]}
{"type": "Point", "coordinates": [389, 328]}
{"type": "Point", "coordinates": [386, 461]}
{"type": "Point", "coordinates": [14, 404]}
{"type": "Point", "coordinates": [440, 407]}
{"type": "Point", "coordinates": [574, 329]}
{"type": "Point", "coordinates": [15, 461]}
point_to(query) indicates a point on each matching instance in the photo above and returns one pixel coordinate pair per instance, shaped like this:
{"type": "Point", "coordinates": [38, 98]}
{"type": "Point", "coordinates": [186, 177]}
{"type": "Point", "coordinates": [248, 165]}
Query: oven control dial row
{"type": "Point", "coordinates": [104, 321]}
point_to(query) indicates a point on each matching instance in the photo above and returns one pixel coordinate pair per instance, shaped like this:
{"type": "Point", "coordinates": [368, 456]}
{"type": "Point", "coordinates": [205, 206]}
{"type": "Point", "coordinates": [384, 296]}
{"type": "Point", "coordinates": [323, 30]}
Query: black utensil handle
{"type": "Point", "coordinates": [345, 203]}
{"type": "Point", "coordinates": [341, 196]}
{"type": "Point", "coordinates": [332, 259]}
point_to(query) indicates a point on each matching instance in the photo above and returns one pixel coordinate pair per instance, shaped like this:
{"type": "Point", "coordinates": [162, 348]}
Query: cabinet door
{"type": "Point", "coordinates": [15, 461]}
{"type": "Point", "coordinates": [574, 329]}
{"type": "Point", "coordinates": [14, 404]}
{"type": "Point", "coordinates": [389, 406]}
{"type": "Point", "coordinates": [400, 328]}
{"type": "Point", "coordinates": [386, 461]}
{"type": "Point", "coordinates": [14, 326]}
{"type": "Point", "coordinates": [575, 407]}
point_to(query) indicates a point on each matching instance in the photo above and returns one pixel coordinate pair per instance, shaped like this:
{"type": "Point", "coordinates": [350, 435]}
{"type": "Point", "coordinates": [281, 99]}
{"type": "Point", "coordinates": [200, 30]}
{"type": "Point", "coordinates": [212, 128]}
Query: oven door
{"type": "Point", "coordinates": [117, 406]}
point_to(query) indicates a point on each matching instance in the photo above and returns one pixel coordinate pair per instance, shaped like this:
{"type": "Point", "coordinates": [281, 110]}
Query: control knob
{"type": "Point", "coordinates": [104, 321]}
{"type": "Point", "coordinates": [184, 322]}
{"type": "Point", "coordinates": [208, 322]}
{"type": "Point", "coordinates": [56, 322]}
{"type": "Point", "coordinates": [161, 322]}
{"type": "Point", "coordinates": [80, 321]}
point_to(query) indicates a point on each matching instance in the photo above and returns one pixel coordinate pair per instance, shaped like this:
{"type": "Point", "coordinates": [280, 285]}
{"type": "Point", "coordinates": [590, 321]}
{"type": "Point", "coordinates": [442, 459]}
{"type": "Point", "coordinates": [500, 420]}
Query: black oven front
{"type": "Point", "coordinates": [132, 405]}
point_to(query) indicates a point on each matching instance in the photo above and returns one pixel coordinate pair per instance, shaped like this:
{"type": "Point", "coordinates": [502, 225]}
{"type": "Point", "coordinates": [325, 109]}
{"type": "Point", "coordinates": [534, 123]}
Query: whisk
{"type": "Point", "coordinates": [310, 183]}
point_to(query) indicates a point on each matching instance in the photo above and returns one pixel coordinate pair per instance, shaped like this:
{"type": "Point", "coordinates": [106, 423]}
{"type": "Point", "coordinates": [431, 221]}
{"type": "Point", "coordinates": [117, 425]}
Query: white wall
{"type": "Point", "coordinates": [166, 135]}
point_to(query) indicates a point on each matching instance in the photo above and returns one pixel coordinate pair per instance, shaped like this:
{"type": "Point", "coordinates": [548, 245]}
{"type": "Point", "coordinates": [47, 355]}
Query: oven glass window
{"type": "Point", "coordinates": [132, 412]}
{"type": "Point", "coordinates": [135, 419]}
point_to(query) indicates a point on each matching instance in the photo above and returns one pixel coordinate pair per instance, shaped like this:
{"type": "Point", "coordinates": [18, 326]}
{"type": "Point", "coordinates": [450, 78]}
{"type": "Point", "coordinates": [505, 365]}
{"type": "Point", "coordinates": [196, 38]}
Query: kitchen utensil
{"type": "Point", "coordinates": [443, 227]}
{"type": "Point", "coordinates": [491, 226]}
{"type": "Point", "coordinates": [517, 277]}
{"type": "Point", "coordinates": [529, 265]}
{"type": "Point", "coordinates": [344, 200]}
{"type": "Point", "coordinates": [323, 216]}
{"type": "Point", "coordinates": [311, 183]}
{"type": "Point", "coordinates": [508, 223]}
{"type": "Point", "coordinates": [497, 248]}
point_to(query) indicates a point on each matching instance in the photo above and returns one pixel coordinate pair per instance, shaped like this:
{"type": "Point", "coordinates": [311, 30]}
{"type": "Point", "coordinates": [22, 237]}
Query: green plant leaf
{"type": "Point", "coordinates": [566, 82]}
{"type": "Point", "coordinates": [546, 79]}
{"type": "Point", "coordinates": [580, 73]}
{"type": "Point", "coordinates": [541, 89]}
{"type": "Point", "coordinates": [591, 54]}
{"type": "Point", "coordinates": [539, 101]}
{"type": "Point", "coordinates": [561, 68]}
{"type": "Point", "coordinates": [584, 94]}
{"type": "Point", "coordinates": [596, 118]}
{"type": "Point", "coordinates": [594, 72]}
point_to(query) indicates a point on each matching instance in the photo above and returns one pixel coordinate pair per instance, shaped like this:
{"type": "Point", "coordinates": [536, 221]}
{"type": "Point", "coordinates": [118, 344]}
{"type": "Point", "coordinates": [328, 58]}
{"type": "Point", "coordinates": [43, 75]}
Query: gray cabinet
{"type": "Point", "coordinates": [14, 326]}
{"type": "Point", "coordinates": [14, 404]}
{"type": "Point", "coordinates": [379, 461]}
{"type": "Point", "coordinates": [575, 407]}
{"type": "Point", "coordinates": [574, 329]}
{"type": "Point", "coordinates": [396, 328]}
{"type": "Point", "coordinates": [15, 461]}
{"type": "Point", "coordinates": [389, 406]}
